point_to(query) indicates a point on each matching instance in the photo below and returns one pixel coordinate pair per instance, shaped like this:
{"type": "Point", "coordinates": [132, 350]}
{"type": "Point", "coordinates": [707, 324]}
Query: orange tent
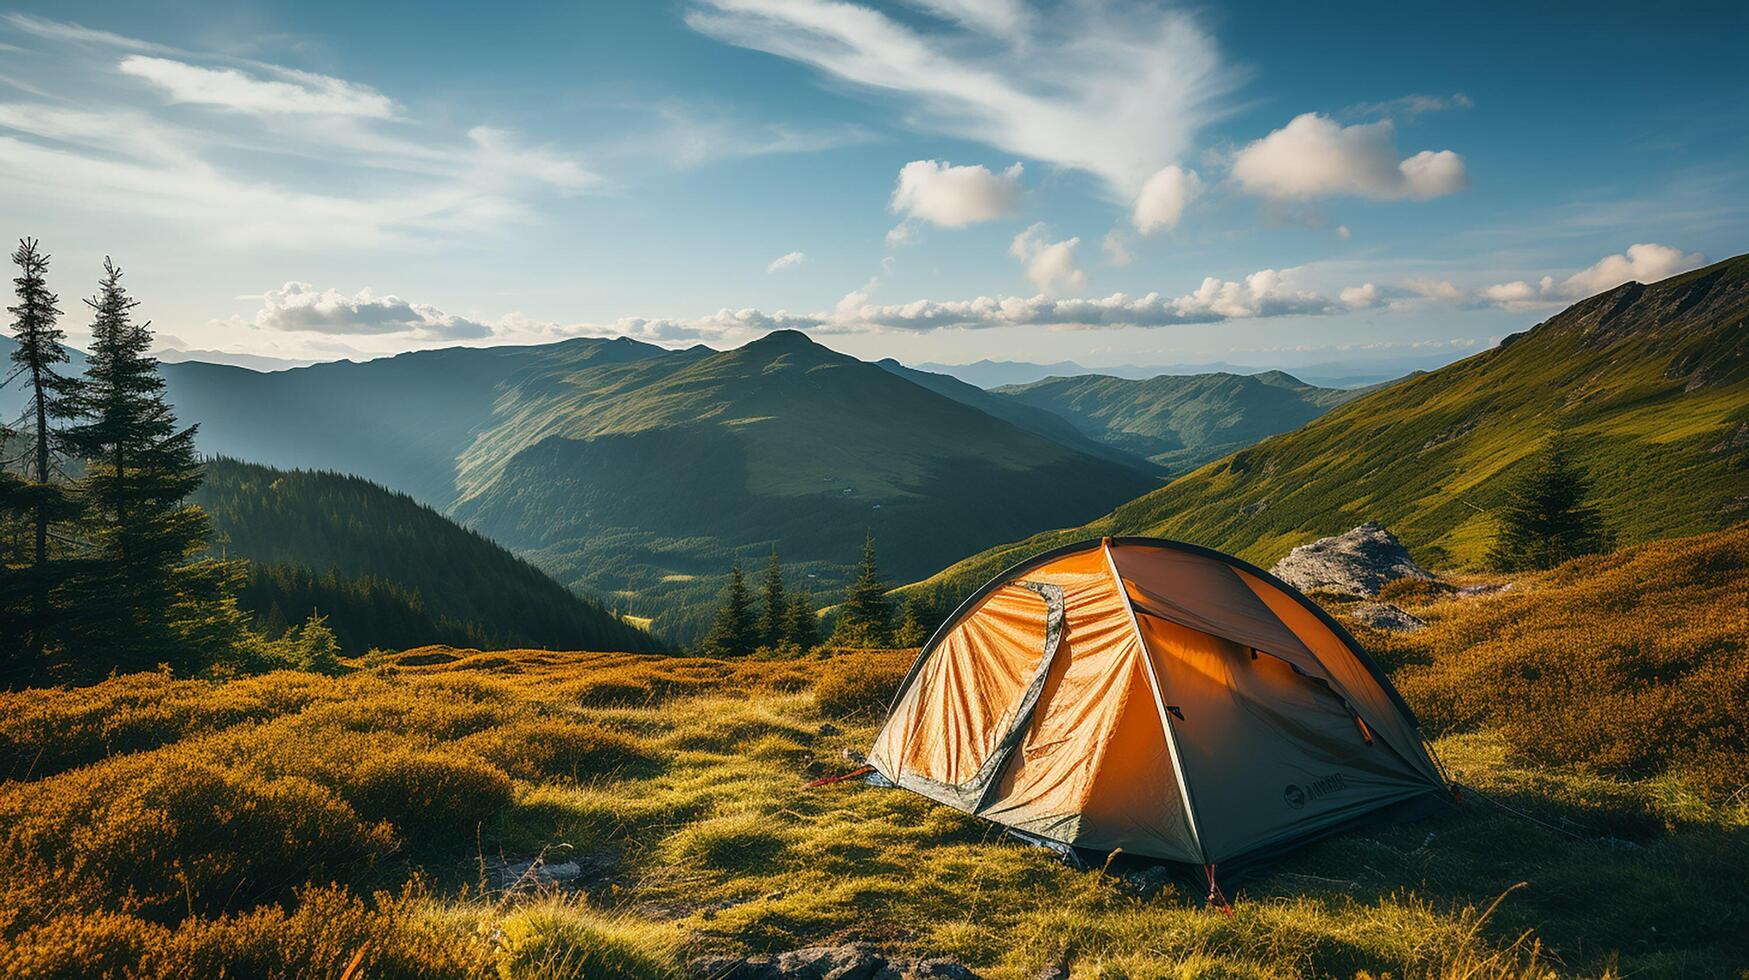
{"type": "Point", "coordinates": [1157, 697]}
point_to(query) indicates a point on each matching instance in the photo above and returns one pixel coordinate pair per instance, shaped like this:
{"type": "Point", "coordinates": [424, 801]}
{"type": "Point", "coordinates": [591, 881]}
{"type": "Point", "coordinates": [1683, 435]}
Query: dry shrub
{"type": "Point", "coordinates": [1636, 663]}
{"type": "Point", "coordinates": [552, 747]}
{"type": "Point", "coordinates": [436, 798]}
{"type": "Point", "coordinates": [860, 684]}
{"type": "Point", "coordinates": [325, 928]}
{"type": "Point", "coordinates": [44, 732]}
{"type": "Point", "coordinates": [74, 945]}
{"type": "Point", "coordinates": [170, 833]}
{"type": "Point", "coordinates": [1414, 591]}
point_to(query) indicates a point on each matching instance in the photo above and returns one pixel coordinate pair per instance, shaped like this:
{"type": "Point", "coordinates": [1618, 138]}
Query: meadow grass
{"type": "Point", "coordinates": [285, 825]}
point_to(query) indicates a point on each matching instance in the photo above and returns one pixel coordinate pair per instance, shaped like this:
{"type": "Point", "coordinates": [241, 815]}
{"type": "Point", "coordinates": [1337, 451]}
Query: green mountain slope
{"type": "Point", "coordinates": [643, 479]}
{"type": "Point", "coordinates": [1179, 422]}
{"type": "Point", "coordinates": [1041, 421]}
{"type": "Point", "coordinates": [1649, 383]}
{"type": "Point", "coordinates": [388, 571]}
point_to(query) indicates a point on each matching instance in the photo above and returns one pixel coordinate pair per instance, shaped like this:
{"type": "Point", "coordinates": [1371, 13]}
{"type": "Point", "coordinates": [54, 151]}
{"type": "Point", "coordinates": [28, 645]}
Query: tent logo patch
{"type": "Point", "coordinates": [1297, 796]}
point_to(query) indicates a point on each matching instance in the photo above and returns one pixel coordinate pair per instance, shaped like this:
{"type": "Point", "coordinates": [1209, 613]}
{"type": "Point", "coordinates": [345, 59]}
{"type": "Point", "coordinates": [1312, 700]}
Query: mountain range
{"type": "Point", "coordinates": [1355, 370]}
{"type": "Point", "coordinates": [639, 473]}
{"type": "Point", "coordinates": [1648, 385]}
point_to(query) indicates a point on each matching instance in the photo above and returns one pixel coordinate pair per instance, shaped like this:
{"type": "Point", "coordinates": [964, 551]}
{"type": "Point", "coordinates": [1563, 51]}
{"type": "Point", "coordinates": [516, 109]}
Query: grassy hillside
{"type": "Point", "coordinates": [1180, 422]}
{"type": "Point", "coordinates": [1650, 385]}
{"type": "Point", "coordinates": [386, 570]}
{"type": "Point", "coordinates": [642, 480]}
{"type": "Point", "coordinates": [277, 825]}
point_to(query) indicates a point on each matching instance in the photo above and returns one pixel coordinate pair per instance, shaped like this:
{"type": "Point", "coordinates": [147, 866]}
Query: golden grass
{"type": "Point", "coordinates": [283, 825]}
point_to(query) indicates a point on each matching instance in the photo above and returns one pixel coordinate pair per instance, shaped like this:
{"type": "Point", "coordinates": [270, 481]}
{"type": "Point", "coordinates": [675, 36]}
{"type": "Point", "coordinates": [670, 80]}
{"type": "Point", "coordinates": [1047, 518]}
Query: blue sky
{"type": "Point", "coordinates": [937, 180]}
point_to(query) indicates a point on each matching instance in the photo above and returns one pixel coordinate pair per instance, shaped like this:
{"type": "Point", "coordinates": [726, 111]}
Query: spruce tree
{"type": "Point", "coordinates": [1547, 520]}
{"type": "Point", "coordinates": [911, 632]}
{"type": "Point", "coordinates": [735, 633]}
{"type": "Point", "coordinates": [771, 616]}
{"type": "Point", "coordinates": [150, 601]}
{"type": "Point", "coordinates": [40, 497]}
{"type": "Point", "coordinates": [801, 628]}
{"type": "Point", "coordinates": [865, 618]}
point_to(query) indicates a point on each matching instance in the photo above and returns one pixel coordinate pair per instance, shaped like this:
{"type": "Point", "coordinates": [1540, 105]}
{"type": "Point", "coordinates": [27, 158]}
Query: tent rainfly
{"type": "Point", "coordinates": [1157, 697]}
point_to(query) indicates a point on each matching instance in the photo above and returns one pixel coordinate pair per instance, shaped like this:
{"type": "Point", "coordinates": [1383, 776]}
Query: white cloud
{"type": "Point", "coordinates": [300, 307]}
{"type": "Point", "coordinates": [1413, 105]}
{"type": "Point", "coordinates": [226, 174]}
{"type": "Point", "coordinates": [1644, 262]}
{"type": "Point", "coordinates": [954, 197]}
{"type": "Point", "coordinates": [901, 234]}
{"type": "Point", "coordinates": [1117, 91]}
{"type": "Point", "coordinates": [1051, 266]}
{"type": "Point", "coordinates": [1163, 199]}
{"type": "Point", "coordinates": [1313, 156]}
{"type": "Point", "coordinates": [1342, 232]}
{"type": "Point", "coordinates": [1360, 297]}
{"type": "Point", "coordinates": [299, 93]}
{"type": "Point", "coordinates": [1641, 263]}
{"type": "Point", "coordinates": [787, 260]}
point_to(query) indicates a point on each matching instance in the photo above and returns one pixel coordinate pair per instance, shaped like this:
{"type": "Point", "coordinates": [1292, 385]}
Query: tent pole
{"type": "Point", "coordinates": [1159, 702]}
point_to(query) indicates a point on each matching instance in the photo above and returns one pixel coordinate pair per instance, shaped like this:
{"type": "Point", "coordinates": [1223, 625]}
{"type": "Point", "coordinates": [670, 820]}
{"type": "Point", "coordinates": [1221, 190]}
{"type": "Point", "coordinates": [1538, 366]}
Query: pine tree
{"type": "Point", "coordinates": [865, 619]}
{"type": "Point", "coordinates": [771, 631]}
{"type": "Point", "coordinates": [801, 628]}
{"type": "Point", "coordinates": [151, 601]}
{"type": "Point", "coordinates": [40, 497]}
{"type": "Point", "coordinates": [735, 633]}
{"type": "Point", "coordinates": [1546, 520]}
{"type": "Point", "coordinates": [911, 632]}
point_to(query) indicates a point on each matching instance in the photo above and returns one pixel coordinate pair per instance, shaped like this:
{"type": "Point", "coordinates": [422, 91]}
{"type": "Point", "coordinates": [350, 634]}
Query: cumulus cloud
{"type": "Point", "coordinates": [954, 197]}
{"type": "Point", "coordinates": [1360, 297]}
{"type": "Point", "coordinates": [1314, 156]}
{"type": "Point", "coordinates": [1051, 266]}
{"type": "Point", "coordinates": [1644, 262]}
{"type": "Point", "coordinates": [301, 307]}
{"type": "Point", "coordinates": [1163, 199]}
{"type": "Point", "coordinates": [1267, 293]}
{"type": "Point", "coordinates": [295, 92]}
{"type": "Point", "coordinates": [1117, 91]}
{"type": "Point", "coordinates": [786, 261]}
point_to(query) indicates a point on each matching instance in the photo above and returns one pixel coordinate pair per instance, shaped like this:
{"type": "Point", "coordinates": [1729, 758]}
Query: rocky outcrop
{"type": "Point", "coordinates": [1357, 563]}
{"type": "Point", "coordinates": [1384, 616]}
{"type": "Point", "coordinates": [856, 961]}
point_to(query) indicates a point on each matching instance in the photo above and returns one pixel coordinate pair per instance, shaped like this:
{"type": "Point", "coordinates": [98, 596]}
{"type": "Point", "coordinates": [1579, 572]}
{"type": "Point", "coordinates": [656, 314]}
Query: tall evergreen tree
{"type": "Point", "coordinates": [735, 633]}
{"type": "Point", "coordinates": [1547, 520]}
{"type": "Point", "coordinates": [771, 616]}
{"type": "Point", "coordinates": [152, 601]}
{"type": "Point", "coordinates": [41, 496]}
{"type": "Point", "coordinates": [865, 620]}
{"type": "Point", "coordinates": [801, 628]}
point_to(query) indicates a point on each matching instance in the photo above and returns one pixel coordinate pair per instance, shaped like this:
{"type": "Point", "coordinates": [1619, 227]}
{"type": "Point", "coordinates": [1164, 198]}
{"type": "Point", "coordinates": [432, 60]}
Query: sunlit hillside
{"type": "Point", "coordinates": [288, 824]}
{"type": "Point", "coordinates": [1648, 384]}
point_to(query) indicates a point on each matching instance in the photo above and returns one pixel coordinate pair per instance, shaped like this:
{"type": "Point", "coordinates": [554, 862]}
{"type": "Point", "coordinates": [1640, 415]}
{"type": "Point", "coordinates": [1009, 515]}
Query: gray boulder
{"type": "Point", "coordinates": [1356, 563]}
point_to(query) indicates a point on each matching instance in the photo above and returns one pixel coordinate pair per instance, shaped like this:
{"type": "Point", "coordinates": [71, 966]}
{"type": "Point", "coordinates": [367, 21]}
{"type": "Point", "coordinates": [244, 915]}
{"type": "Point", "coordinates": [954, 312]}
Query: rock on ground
{"type": "Point", "coordinates": [1356, 563]}
{"type": "Point", "coordinates": [1384, 616]}
{"type": "Point", "coordinates": [855, 961]}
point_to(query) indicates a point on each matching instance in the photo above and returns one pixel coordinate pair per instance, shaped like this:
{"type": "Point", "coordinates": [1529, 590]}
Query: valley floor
{"type": "Point", "coordinates": [289, 824]}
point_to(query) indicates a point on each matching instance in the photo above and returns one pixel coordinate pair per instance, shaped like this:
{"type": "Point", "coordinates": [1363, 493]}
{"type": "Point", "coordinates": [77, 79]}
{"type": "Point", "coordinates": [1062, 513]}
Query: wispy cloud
{"type": "Point", "coordinates": [1118, 91]}
{"type": "Point", "coordinates": [1410, 106]}
{"type": "Point", "coordinates": [159, 143]}
{"type": "Point", "coordinates": [788, 260]}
